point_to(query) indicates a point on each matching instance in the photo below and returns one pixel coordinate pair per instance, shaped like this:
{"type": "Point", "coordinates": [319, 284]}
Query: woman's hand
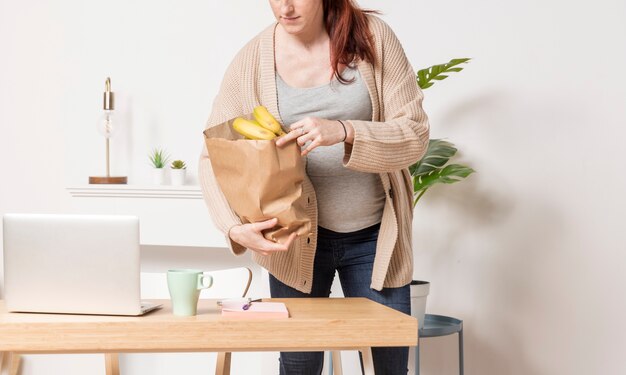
{"type": "Point", "coordinates": [250, 236]}
{"type": "Point", "coordinates": [320, 132]}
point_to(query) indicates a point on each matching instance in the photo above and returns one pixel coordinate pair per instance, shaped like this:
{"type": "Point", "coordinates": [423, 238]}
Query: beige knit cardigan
{"type": "Point", "coordinates": [396, 138]}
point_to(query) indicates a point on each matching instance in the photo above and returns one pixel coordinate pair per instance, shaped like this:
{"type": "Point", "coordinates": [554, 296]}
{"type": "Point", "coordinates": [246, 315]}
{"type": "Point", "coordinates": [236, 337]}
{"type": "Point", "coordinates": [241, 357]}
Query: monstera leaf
{"type": "Point", "coordinates": [437, 155]}
{"type": "Point", "coordinates": [425, 77]}
{"type": "Point", "coordinates": [432, 169]}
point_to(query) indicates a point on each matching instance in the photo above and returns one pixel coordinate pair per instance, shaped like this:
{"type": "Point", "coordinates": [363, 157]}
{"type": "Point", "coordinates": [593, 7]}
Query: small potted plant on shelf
{"type": "Point", "coordinates": [433, 169]}
{"type": "Point", "coordinates": [158, 159]}
{"type": "Point", "coordinates": [178, 169]}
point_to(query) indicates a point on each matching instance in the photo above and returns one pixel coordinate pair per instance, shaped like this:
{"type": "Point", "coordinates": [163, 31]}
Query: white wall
{"type": "Point", "coordinates": [529, 252]}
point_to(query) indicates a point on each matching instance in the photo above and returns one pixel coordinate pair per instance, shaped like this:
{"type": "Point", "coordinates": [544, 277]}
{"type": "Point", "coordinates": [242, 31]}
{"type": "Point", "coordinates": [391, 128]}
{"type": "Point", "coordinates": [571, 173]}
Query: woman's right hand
{"type": "Point", "coordinates": [250, 235]}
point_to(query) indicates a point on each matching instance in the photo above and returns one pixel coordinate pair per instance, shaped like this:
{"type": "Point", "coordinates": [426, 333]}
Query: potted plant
{"type": "Point", "coordinates": [433, 169]}
{"type": "Point", "coordinates": [158, 159]}
{"type": "Point", "coordinates": [178, 170]}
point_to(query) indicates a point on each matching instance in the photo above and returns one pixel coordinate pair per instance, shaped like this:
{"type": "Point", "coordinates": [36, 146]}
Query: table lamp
{"type": "Point", "coordinates": [107, 129]}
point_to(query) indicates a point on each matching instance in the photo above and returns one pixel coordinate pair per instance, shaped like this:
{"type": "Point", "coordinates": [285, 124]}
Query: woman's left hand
{"type": "Point", "coordinates": [319, 131]}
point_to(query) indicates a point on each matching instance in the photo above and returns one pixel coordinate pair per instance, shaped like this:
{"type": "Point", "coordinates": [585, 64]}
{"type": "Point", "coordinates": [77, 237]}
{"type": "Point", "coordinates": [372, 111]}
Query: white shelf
{"type": "Point", "coordinates": [136, 191]}
{"type": "Point", "coordinates": [168, 215]}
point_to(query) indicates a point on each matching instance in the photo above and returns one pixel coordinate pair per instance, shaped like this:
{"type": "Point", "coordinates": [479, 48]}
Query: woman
{"type": "Point", "coordinates": [337, 77]}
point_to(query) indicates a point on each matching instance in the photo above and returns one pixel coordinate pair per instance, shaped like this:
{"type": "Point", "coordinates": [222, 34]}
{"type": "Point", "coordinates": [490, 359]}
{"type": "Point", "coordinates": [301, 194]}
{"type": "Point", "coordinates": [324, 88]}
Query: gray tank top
{"type": "Point", "coordinates": [347, 200]}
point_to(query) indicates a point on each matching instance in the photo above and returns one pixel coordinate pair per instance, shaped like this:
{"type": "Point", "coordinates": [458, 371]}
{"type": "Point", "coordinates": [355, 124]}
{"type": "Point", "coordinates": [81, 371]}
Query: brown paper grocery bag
{"type": "Point", "coordinates": [259, 180]}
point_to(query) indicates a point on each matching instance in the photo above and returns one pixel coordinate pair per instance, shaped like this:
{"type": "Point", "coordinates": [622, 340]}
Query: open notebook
{"type": "Point", "coordinates": [257, 310]}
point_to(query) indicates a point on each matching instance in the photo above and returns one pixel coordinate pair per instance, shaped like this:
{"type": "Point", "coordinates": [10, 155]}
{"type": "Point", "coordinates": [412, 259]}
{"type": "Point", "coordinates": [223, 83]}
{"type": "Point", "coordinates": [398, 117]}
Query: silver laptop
{"type": "Point", "coordinates": [78, 264]}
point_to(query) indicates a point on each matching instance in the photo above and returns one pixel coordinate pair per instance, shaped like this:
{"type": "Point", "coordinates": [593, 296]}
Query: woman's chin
{"type": "Point", "coordinates": [292, 29]}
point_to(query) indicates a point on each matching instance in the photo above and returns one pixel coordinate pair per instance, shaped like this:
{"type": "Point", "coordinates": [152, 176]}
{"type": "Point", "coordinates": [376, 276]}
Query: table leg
{"type": "Point", "coordinates": [223, 363]}
{"type": "Point", "coordinates": [17, 361]}
{"type": "Point", "coordinates": [461, 352]}
{"type": "Point", "coordinates": [9, 363]}
{"type": "Point", "coordinates": [368, 363]}
{"type": "Point", "coordinates": [3, 360]}
{"type": "Point", "coordinates": [111, 361]}
{"type": "Point", "coordinates": [417, 359]}
{"type": "Point", "coordinates": [336, 366]}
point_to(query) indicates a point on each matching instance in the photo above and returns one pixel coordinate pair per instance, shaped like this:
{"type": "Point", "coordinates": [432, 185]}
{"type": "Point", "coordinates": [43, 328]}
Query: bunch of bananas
{"type": "Point", "coordinates": [263, 127]}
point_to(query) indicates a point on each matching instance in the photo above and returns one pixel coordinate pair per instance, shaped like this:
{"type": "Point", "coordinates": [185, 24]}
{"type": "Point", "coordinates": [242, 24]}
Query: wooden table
{"type": "Point", "coordinates": [315, 324]}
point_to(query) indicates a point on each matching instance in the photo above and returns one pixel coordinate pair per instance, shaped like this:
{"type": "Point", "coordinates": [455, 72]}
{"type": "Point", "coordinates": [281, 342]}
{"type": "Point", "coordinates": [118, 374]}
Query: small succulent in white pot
{"type": "Point", "coordinates": [178, 169]}
{"type": "Point", "coordinates": [159, 160]}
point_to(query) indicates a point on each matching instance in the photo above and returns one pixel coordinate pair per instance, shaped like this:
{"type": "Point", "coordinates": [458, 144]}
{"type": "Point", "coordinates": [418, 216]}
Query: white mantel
{"type": "Point", "coordinates": [136, 191]}
{"type": "Point", "coordinates": [168, 215]}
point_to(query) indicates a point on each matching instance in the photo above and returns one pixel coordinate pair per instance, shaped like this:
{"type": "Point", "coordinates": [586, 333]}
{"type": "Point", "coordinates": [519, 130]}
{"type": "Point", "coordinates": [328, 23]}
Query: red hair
{"type": "Point", "coordinates": [350, 36]}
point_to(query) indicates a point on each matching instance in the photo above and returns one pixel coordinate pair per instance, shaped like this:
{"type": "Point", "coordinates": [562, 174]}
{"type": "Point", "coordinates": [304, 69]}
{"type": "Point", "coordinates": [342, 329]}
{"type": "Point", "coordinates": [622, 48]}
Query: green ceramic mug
{"type": "Point", "coordinates": [185, 286]}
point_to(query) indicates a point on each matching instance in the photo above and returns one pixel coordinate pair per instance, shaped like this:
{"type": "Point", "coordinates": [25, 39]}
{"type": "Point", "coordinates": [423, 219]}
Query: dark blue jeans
{"type": "Point", "coordinates": [352, 256]}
